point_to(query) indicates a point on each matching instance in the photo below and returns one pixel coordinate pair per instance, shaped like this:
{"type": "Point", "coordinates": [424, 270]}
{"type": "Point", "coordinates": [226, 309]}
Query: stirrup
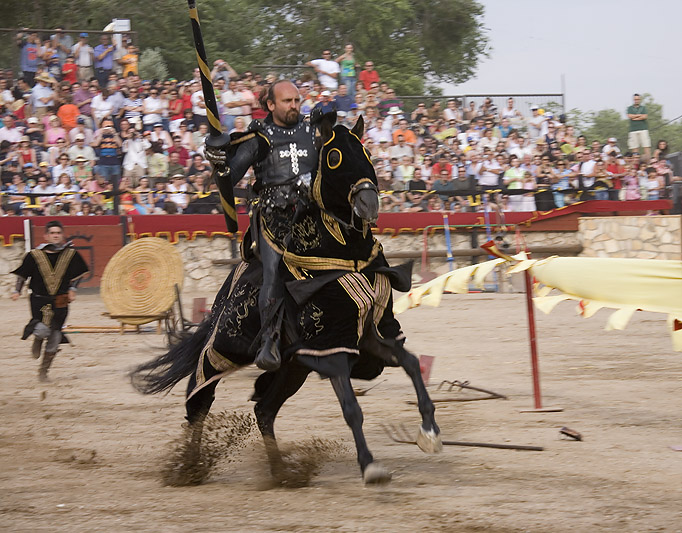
{"type": "Point", "coordinates": [269, 357]}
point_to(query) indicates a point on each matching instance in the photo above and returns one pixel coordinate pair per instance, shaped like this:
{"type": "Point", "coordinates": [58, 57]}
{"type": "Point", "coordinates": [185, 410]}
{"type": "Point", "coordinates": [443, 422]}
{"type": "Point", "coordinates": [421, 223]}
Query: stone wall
{"type": "Point", "coordinates": [203, 275]}
{"type": "Point", "coordinates": [10, 258]}
{"type": "Point", "coordinates": [642, 237]}
{"type": "Point", "coordinates": [461, 240]}
{"type": "Point", "coordinates": [645, 237]}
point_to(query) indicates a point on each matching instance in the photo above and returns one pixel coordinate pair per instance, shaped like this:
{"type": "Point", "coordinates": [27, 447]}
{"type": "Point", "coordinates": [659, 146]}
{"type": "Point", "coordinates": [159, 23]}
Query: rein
{"type": "Point", "coordinates": [361, 185]}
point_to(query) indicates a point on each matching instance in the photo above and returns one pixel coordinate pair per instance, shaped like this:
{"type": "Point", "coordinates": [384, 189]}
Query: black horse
{"type": "Point", "coordinates": [337, 320]}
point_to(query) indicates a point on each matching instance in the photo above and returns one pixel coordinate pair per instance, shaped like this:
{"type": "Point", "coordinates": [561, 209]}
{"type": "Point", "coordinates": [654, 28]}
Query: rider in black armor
{"type": "Point", "coordinates": [283, 153]}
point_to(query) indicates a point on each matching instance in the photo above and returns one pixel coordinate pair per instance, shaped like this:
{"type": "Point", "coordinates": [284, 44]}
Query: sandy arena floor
{"type": "Point", "coordinates": [84, 452]}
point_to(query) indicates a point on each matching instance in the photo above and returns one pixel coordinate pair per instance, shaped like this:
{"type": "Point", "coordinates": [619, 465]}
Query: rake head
{"type": "Point", "coordinates": [398, 433]}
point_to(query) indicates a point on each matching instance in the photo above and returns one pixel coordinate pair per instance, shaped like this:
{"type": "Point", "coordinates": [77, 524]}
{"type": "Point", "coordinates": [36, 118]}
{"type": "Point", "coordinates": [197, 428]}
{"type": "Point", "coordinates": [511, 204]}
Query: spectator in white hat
{"type": "Point", "coordinates": [535, 123]}
{"type": "Point", "coordinates": [611, 148]}
{"type": "Point", "coordinates": [326, 104]}
{"type": "Point", "coordinates": [42, 96]}
{"type": "Point", "coordinates": [80, 149]}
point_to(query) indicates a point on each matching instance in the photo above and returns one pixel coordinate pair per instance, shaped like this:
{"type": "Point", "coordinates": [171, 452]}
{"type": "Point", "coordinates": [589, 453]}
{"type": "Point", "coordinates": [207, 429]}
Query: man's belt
{"type": "Point", "coordinates": [284, 195]}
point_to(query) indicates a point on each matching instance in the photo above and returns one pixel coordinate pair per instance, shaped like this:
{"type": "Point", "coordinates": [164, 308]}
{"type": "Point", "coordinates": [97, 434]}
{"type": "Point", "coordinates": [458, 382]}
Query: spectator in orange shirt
{"type": "Point", "coordinates": [406, 132]}
{"type": "Point", "coordinates": [129, 62]}
{"type": "Point", "coordinates": [68, 113]}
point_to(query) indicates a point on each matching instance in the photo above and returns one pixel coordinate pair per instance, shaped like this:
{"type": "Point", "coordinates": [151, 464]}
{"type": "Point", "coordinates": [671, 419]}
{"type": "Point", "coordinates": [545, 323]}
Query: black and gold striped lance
{"type": "Point", "coordinates": [216, 137]}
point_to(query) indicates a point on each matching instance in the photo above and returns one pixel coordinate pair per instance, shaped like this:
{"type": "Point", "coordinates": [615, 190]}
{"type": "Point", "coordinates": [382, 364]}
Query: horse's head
{"type": "Point", "coordinates": [346, 184]}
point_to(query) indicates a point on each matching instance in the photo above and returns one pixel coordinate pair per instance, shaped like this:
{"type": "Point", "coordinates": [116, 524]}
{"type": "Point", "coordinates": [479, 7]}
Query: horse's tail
{"type": "Point", "coordinates": [167, 370]}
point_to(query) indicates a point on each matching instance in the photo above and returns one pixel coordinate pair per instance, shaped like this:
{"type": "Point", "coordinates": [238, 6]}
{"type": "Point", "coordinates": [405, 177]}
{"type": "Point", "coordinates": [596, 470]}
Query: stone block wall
{"type": "Point", "coordinates": [460, 240]}
{"type": "Point", "coordinates": [10, 258]}
{"type": "Point", "coordinates": [202, 275]}
{"type": "Point", "coordinates": [641, 237]}
{"type": "Point", "coordinates": [644, 237]}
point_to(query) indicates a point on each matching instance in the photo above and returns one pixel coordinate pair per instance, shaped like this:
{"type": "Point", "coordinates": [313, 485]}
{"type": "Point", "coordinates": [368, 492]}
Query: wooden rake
{"type": "Point", "coordinates": [401, 434]}
{"type": "Point", "coordinates": [491, 395]}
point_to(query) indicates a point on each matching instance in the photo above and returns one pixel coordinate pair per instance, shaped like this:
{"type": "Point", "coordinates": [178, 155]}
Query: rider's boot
{"type": "Point", "coordinates": [45, 365]}
{"type": "Point", "coordinates": [269, 357]}
{"type": "Point", "coordinates": [37, 347]}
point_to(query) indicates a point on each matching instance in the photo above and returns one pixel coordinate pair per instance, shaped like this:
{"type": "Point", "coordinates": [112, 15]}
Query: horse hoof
{"type": "Point", "coordinates": [376, 474]}
{"type": "Point", "coordinates": [429, 441]}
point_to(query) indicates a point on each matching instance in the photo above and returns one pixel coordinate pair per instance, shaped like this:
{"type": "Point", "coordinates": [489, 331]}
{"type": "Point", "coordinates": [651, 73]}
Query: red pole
{"type": "Point", "coordinates": [537, 395]}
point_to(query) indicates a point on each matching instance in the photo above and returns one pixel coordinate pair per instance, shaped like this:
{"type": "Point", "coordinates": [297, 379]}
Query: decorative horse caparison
{"type": "Point", "coordinates": [338, 317]}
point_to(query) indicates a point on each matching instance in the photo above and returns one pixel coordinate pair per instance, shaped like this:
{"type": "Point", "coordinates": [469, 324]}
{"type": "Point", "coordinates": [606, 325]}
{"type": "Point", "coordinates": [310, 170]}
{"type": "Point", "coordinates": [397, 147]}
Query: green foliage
{"type": "Point", "coordinates": [413, 43]}
{"type": "Point", "coordinates": [612, 123]}
{"type": "Point", "coordinates": [607, 123]}
{"type": "Point", "coordinates": [152, 65]}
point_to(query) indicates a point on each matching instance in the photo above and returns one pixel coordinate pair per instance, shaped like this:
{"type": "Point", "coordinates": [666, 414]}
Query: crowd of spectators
{"type": "Point", "coordinates": [82, 134]}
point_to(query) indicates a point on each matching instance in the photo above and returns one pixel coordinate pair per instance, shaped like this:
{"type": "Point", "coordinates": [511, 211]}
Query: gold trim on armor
{"type": "Point", "coordinates": [219, 361]}
{"type": "Point", "coordinates": [241, 268]}
{"type": "Point", "coordinates": [328, 351]}
{"type": "Point", "coordinates": [330, 138]}
{"type": "Point", "coordinates": [208, 382]}
{"type": "Point", "coordinates": [367, 296]}
{"type": "Point", "coordinates": [366, 152]}
{"type": "Point", "coordinates": [328, 263]}
{"type": "Point", "coordinates": [53, 277]}
{"type": "Point", "coordinates": [269, 237]}
{"type": "Point", "coordinates": [340, 158]}
{"type": "Point", "coordinates": [264, 137]}
{"type": "Point", "coordinates": [333, 227]}
{"type": "Point", "coordinates": [242, 139]}
{"type": "Point", "coordinates": [362, 300]}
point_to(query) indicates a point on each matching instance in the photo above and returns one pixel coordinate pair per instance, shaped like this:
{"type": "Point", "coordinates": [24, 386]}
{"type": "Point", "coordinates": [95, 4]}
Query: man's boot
{"type": "Point", "coordinates": [37, 347]}
{"type": "Point", "coordinates": [268, 357]}
{"type": "Point", "coordinates": [45, 365]}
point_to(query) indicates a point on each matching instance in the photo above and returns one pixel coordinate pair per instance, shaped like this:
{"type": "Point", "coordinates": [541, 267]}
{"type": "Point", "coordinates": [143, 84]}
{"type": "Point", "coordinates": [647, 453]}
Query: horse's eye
{"type": "Point", "coordinates": [334, 158]}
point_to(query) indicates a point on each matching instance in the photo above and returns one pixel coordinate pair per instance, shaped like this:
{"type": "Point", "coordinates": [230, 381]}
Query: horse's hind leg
{"type": "Point", "coordinates": [272, 390]}
{"type": "Point", "coordinates": [352, 413]}
{"type": "Point", "coordinates": [429, 440]}
{"type": "Point", "coordinates": [189, 464]}
{"type": "Point", "coordinates": [197, 408]}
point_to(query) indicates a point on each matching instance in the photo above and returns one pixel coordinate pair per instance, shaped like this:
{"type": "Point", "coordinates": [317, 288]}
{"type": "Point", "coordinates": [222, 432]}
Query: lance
{"type": "Point", "coordinates": [216, 137]}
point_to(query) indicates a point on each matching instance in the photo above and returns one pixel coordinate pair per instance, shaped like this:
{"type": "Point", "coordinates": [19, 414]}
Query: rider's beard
{"type": "Point", "coordinates": [291, 118]}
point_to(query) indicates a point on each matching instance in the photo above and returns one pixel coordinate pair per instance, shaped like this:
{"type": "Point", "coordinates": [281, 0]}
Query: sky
{"type": "Point", "coordinates": [607, 50]}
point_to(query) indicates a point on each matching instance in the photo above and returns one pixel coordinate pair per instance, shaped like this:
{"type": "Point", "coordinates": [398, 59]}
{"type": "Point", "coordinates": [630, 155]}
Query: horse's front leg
{"type": "Point", "coordinates": [352, 413]}
{"type": "Point", "coordinates": [272, 390]}
{"type": "Point", "coordinates": [429, 440]}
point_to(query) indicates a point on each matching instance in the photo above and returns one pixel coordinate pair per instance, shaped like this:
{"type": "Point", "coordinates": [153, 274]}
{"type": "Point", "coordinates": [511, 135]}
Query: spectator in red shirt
{"type": "Point", "coordinates": [443, 164]}
{"type": "Point", "coordinates": [617, 171]}
{"type": "Point", "coordinates": [69, 70]}
{"type": "Point", "coordinates": [368, 76]}
{"type": "Point", "coordinates": [257, 111]}
{"type": "Point", "coordinates": [187, 96]}
{"type": "Point", "coordinates": [183, 153]}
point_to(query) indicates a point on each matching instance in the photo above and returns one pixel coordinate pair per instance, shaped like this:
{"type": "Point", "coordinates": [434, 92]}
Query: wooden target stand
{"type": "Point", "coordinates": [141, 283]}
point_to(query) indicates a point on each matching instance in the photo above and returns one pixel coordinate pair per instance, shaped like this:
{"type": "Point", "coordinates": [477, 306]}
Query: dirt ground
{"type": "Point", "coordinates": [85, 451]}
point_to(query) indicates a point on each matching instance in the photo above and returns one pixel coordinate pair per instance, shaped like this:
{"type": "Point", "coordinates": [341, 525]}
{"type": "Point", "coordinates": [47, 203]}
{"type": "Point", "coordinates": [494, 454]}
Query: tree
{"type": "Point", "coordinates": [611, 123]}
{"type": "Point", "coordinates": [413, 43]}
{"type": "Point", "coordinates": [152, 66]}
